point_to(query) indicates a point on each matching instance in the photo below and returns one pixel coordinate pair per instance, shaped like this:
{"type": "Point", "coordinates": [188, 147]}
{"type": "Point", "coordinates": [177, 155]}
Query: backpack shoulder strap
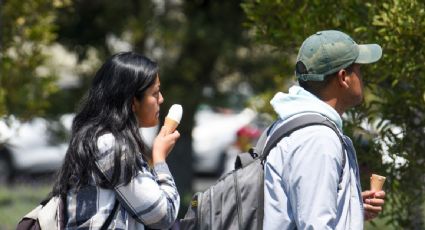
{"type": "Point", "coordinates": [297, 123]}
{"type": "Point", "coordinates": [245, 158]}
{"type": "Point", "coordinates": [108, 221]}
{"type": "Point", "coordinates": [262, 140]}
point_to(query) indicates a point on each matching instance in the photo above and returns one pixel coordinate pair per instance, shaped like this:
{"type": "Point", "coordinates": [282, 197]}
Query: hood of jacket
{"type": "Point", "coordinates": [299, 100]}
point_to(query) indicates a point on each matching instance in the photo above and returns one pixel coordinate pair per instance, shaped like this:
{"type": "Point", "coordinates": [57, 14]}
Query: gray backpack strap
{"type": "Point", "coordinates": [297, 123]}
{"type": "Point", "coordinates": [263, 147]}
{"type": "Point", "coordinates": [245, 158]}
{"type": "Point", "coordinates": [263, 139]}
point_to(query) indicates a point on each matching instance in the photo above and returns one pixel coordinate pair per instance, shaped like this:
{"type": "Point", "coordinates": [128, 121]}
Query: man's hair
{"type": "Point", "coordinates": [317, 87]}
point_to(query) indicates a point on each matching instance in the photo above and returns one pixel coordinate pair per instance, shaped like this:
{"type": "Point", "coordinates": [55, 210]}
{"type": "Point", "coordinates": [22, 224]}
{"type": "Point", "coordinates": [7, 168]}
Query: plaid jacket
{"type": "Point", "coordinates": [150, 199]}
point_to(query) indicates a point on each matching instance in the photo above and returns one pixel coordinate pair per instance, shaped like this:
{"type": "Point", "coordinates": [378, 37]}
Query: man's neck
{"type": "Point", "coordinates": [333, 102]}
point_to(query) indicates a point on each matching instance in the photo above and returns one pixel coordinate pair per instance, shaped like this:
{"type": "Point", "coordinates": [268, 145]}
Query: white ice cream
{"type": "Point", "coordinates": [175, 113]}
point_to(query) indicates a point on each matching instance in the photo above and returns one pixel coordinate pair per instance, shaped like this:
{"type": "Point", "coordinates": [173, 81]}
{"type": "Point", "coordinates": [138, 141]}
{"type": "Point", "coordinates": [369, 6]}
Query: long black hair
{"type": "Point", "coordinates": [108, 109]}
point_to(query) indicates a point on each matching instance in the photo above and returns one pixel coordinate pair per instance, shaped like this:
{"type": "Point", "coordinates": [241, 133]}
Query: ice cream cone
{"type": "Point", "coordinates": [376, 182]}
{"type": "Point", "coordinates": [173, 118]}
{"type": "Point", "coordinates": [170, 124]}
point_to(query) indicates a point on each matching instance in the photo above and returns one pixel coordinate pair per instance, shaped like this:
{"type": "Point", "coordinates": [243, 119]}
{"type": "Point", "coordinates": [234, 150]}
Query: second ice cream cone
{"type": "Point", "coordinates": [376, 182]}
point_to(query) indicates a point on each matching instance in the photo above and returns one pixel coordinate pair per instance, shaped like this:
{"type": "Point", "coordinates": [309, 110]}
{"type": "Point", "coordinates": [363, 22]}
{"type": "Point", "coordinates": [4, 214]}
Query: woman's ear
{"type": "Point", "coordinates": [133, 106]}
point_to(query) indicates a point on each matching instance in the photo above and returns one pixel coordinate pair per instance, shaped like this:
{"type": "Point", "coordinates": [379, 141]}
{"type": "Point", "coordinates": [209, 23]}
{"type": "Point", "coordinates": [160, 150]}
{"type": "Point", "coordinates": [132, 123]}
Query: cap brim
{"type": "Point", "coordinates": [368, 53]}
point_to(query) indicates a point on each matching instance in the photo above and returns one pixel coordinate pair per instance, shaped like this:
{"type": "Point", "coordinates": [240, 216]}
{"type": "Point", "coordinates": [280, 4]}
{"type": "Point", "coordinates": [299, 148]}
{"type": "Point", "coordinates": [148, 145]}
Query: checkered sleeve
{"type": "Point", "coordinates": [151, 197]}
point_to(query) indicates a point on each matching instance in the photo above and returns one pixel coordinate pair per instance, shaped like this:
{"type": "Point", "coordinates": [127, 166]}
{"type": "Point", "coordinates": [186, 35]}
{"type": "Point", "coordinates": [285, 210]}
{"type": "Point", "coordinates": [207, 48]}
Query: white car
{"type": "Point", "coordinates": [28, 147]}
{"type": "Point", "coordinates": [213, 134]}
{"type": "Point", "coordinates": [31, 148]}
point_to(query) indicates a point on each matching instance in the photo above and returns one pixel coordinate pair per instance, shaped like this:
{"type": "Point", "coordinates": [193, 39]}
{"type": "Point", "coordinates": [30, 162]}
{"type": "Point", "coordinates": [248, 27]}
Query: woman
{"type": "Point", "coordinates": [105, 175]}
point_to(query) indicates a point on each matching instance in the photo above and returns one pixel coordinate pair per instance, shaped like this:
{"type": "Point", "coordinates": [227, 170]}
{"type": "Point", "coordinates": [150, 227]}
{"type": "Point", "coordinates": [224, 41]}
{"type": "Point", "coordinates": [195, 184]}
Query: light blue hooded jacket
{"type": "Point", "coordinates": [302, 187]}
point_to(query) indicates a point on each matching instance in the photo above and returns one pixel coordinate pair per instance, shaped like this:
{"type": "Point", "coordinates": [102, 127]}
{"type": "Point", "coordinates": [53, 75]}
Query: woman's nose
{"type": "Point", "coordinates": [161, 98]}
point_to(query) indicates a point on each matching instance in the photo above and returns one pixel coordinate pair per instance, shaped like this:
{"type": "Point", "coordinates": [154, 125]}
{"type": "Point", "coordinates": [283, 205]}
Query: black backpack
{"type": "Point", "coordinates": [236, 201]}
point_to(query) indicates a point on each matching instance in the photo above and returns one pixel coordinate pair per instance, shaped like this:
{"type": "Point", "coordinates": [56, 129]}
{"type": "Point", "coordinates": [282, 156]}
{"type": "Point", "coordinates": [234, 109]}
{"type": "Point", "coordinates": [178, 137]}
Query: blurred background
{"type": "Point", "coordinates": [223, 61]}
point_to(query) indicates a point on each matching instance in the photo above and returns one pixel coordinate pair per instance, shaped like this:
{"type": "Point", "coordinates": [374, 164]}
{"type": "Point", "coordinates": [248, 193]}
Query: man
{"type": "Point", "coordinates": [310, 182]}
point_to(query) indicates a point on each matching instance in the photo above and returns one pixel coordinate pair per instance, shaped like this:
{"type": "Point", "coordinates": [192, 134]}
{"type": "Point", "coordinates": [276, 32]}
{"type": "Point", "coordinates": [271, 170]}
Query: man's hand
{"type": "Point", "coordinates": [373, 202]}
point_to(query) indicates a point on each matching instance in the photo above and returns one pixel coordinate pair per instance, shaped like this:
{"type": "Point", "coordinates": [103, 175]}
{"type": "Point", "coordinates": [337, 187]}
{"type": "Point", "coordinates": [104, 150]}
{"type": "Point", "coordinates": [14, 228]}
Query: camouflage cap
{"type": "Point", "coordinates": [328, 51]}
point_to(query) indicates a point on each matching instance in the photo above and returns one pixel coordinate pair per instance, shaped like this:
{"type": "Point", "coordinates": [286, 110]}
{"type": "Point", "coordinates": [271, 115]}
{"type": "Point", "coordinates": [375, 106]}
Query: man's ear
{"type": "Point", "coordinates": [343, 78]}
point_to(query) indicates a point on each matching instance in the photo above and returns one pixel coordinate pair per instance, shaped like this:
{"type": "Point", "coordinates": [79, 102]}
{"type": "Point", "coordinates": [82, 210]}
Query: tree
{"type": "Point", "coordinates": [394, 102]}
{"type": "Point", "coordinates": [24, 86]}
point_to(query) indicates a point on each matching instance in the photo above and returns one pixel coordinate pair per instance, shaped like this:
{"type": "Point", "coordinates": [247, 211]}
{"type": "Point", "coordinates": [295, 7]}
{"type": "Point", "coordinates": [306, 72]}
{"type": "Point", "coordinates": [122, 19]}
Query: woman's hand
{"type": "Point", "coordinates": [373, 202]}
{"type": "Point", "coordinates": [163, 144]}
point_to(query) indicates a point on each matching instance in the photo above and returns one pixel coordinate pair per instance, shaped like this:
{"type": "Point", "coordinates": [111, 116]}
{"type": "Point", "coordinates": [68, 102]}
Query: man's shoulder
{"type": "Point", "coordinates": [318, 137]}
{"type": "Point", "coordinates": [317, 131]}
{"type": "Point", "coordinates": [315, 134]}
{"type": "Point", "coordinates": [328, 129]}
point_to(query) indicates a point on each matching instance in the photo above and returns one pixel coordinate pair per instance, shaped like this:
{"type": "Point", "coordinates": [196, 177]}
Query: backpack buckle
{"type": "Point", "coordinates": [253, 153]}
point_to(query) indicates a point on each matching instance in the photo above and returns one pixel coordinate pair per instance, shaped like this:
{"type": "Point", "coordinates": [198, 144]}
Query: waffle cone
{"type": "Point", "coordinates": [170, 124]}
{"type": "Point", "coordinates": [376, 182]}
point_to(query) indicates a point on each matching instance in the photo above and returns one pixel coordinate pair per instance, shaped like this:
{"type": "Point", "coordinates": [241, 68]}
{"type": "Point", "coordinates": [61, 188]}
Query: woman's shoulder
{"type": "Point", "coordinates": [105, 142]}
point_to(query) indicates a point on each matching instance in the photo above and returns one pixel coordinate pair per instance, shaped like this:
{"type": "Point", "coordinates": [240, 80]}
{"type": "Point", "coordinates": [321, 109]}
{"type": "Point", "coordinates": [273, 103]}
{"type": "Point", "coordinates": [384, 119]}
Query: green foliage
{"type": "Point", "coordinates": [23, 90]}
{"type": "Point", "coordinates": [87, 24]}
{"type": "Point", "coordinates": [18, 200]}
{"type": "Point", "coordinates": [395, 85]}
